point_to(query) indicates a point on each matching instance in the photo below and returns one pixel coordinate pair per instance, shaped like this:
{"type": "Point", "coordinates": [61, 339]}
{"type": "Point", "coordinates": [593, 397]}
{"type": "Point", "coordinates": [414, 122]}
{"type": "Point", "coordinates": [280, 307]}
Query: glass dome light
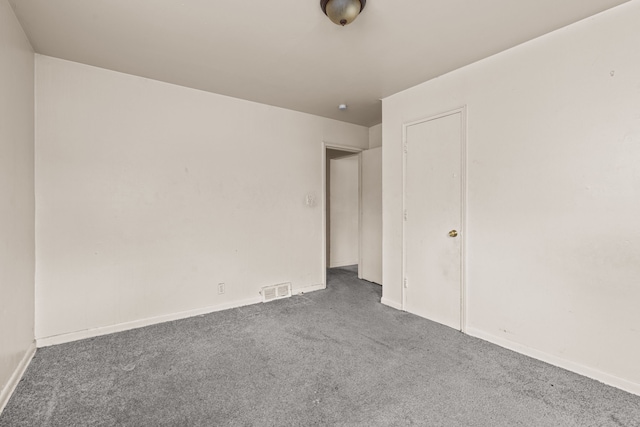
{"type": "Point", "coordinates": [342, 12]}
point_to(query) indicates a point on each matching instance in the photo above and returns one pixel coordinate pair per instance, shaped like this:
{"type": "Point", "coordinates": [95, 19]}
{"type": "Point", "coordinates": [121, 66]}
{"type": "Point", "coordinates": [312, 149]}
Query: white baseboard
{"type": "Point", "coordinates": [11, 385]}
{"type": "Point", "coordinates": [95, 332]}
{"type": "Point", "coordinates": [390, 303]}
{"type": "Point", "coordinates": [343, 263]}
{"type": "Point", "coordinates": [120, 327]}
{"type": "Point", "coordinates": [595, 374]}
{"type": "Point", "coordinates": [307, 289]}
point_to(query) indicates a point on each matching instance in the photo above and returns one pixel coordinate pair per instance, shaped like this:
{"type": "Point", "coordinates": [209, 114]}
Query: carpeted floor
{"type": "Point", "coordinates": [333, 357]}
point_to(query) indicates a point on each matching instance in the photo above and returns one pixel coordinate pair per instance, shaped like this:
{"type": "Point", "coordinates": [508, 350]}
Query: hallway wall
{"type": "Point", "coordinates": [344, 211]}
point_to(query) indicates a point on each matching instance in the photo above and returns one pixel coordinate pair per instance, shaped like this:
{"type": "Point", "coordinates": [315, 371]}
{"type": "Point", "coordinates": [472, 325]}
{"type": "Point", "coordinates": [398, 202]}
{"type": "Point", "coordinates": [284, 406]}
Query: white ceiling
{"type": "Point", "coordinates": [286, 52]}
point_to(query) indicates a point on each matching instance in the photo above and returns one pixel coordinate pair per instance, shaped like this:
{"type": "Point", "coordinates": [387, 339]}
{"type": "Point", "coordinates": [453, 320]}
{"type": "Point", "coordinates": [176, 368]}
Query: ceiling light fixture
{"type": "Point", "coordinates": [342, 12]}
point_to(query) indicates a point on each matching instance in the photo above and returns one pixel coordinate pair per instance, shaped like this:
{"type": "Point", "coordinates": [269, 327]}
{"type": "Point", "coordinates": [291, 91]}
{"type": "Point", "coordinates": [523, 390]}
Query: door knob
{"type": "Point", "coordinates": [453, 233]}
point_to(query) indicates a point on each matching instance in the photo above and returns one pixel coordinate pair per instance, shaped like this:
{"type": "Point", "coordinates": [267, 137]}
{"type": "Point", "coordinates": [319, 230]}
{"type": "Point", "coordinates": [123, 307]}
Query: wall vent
{"type": "Point", "coordinates": [270, 293]}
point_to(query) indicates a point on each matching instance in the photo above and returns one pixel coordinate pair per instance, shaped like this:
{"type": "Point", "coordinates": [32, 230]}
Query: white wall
{"type": "Point", "coordinates": [553, 236]}
{"type": "Point", "coordinates": [344, 205]}
{"type": "Point", "coordinates": [330, 154]}
{"type": "Point", "coordinates": [17, 251]}
{"type": "Point", "coordinates": [371, 215]}
{"type": "Point", "coordinates": [375, 136]}
{"type": "Point", "coordinates": [150, 194]}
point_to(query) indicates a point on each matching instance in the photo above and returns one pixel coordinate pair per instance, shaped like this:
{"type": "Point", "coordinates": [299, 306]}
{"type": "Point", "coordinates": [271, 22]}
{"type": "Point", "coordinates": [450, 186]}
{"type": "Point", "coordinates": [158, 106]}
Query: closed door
{"type": "Point", "coordinates": [433, 219]}
{"type": "Point", "coordinates": [371, 229]}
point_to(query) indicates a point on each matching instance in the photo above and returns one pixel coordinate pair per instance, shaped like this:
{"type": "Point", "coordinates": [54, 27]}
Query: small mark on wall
{"type": "Point", "coordinates": [310, 200]}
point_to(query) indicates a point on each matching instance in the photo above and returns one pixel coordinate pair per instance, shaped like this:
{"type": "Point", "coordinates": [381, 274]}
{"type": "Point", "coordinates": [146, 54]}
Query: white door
{"type": "Point", "coordinates": [433, 219]}
{"type": "Point", "coordinates": [371, 219]}
{"type": "Point", "coordinates": [344, 206]}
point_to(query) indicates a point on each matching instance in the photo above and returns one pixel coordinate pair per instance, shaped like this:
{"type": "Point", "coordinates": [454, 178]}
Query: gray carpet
{"type": "Point", "coordinates": [333, 357]}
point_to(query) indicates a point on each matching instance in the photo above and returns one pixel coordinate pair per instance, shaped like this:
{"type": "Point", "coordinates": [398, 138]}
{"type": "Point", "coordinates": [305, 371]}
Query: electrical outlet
{"type": "Point", "coordinates": [220, 288]}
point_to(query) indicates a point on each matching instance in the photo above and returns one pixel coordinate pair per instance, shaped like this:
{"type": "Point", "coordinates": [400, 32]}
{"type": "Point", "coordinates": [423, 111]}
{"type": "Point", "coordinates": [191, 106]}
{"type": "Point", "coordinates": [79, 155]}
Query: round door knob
{"type": "Point", "coordinates": [453, 233]}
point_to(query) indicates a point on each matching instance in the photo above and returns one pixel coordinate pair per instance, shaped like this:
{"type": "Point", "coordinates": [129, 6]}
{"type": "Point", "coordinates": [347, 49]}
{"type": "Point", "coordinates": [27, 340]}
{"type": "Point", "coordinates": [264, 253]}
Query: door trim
{"type": "Point", "coordinates": [329, 146]}
{"type": "Point", "coordinates": [463, 206]}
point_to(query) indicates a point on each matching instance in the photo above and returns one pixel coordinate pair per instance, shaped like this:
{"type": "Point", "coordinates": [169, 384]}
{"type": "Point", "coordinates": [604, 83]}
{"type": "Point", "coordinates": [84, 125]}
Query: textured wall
{"type": "Point", "coordinates": [553, 239]}
{"type": "Point", "coordinates": [150, 194]}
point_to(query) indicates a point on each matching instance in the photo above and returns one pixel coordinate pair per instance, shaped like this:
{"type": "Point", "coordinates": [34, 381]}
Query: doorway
{"type": "Point", "coordinates": [434, 190]}
{"type": "Point", "coordinates": [359, 173]}
{"type": "Point", "coordinates": [341, 207]}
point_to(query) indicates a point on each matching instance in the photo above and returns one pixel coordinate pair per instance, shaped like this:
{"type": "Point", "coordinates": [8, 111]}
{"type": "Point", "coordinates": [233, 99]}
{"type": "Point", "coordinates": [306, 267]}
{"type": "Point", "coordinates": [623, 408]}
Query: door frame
{"type": "Point", "coordinates": [463, 205]}
{"type": "Point", "coordinates": [330, 146]}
